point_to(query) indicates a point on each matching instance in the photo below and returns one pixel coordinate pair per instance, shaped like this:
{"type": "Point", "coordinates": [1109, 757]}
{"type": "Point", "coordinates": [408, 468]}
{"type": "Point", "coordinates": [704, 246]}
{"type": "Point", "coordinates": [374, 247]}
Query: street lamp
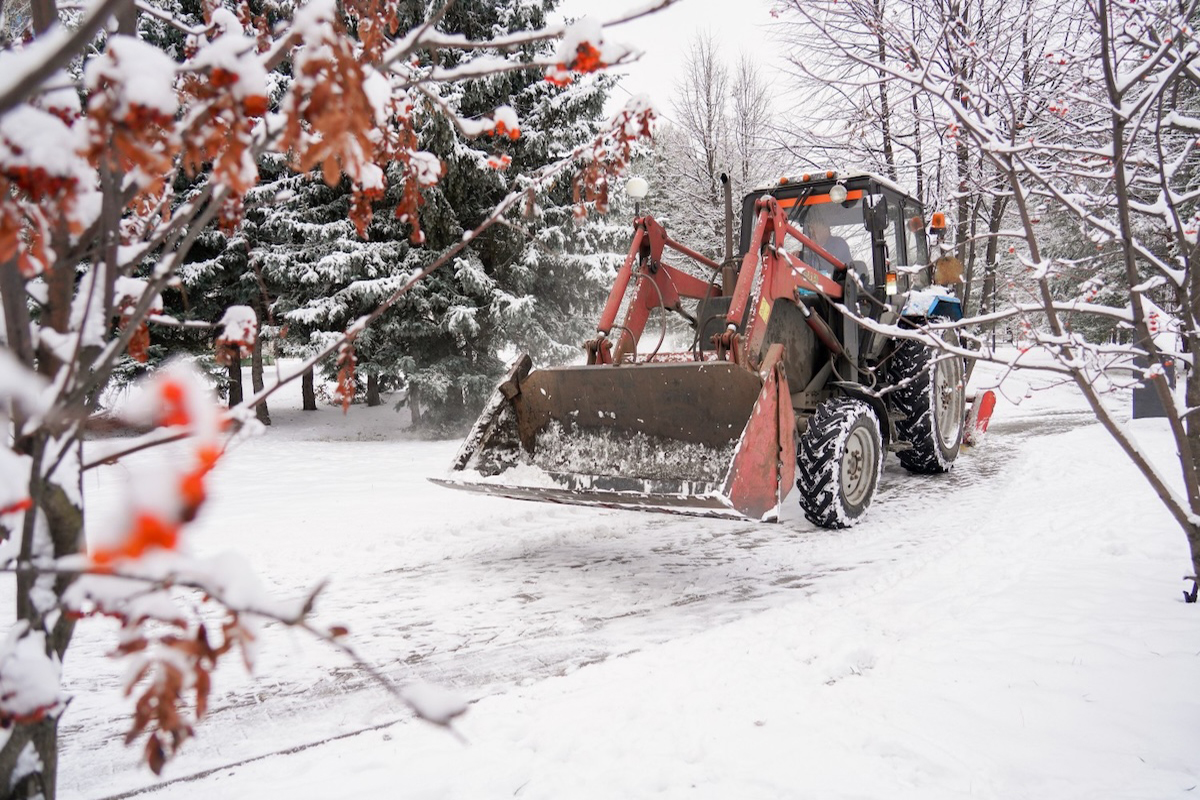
{"type": "Point", "coordinates": [637, 188]}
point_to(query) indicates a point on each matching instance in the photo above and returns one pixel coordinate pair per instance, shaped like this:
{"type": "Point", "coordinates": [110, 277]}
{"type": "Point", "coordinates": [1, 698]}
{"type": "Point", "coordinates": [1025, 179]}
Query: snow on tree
{"type": "Point", "coordinates": [719, 124]}
{"type": "Point", "coordinates": [854, 114]}
{"type": "Point", "coordinates": [531, 286]}
{"type": "Point", "coordinates": [1096, 135]}
{"type": "Point", "coordinates": [100, 123]}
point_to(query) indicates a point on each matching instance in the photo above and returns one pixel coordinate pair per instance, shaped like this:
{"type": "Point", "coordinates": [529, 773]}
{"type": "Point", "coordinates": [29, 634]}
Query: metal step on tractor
{"type": "Point", "coordinates": [796, 374]}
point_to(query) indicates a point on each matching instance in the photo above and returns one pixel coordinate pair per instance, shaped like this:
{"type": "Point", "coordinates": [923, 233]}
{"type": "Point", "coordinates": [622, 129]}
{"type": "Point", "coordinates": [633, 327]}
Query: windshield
{"type": "Point", "coordinates": [838, 228]}
{"type": "Point", "coordinates": [808, 209]}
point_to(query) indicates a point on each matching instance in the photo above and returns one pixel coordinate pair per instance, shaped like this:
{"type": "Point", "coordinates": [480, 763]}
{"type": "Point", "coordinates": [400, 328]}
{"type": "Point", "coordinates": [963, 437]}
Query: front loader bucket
{"type": "Point", "coordinates": [707, 438]}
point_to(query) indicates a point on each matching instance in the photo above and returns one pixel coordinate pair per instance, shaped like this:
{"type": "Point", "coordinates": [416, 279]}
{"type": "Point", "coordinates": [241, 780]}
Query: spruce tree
{"type": "Point", "coordinates": [533, 285]}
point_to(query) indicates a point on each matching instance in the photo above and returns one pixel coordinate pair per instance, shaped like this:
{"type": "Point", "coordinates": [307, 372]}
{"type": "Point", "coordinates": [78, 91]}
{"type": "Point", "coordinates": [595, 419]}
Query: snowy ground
{"type": "Point", "coordinates": [1013, 629]}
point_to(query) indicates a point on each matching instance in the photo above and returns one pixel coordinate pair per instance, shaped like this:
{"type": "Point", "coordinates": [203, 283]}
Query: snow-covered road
{"type": "Point", "coordinates": [499, 599]}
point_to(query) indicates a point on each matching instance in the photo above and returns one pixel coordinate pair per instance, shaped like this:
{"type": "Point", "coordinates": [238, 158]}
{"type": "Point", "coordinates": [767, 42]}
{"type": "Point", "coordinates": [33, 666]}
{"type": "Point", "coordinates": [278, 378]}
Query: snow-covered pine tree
{"type": "Point", "coordinates": [215, 273]}
{"type": "Point", "coordinates": [532, 285]}
{"type": "Point", "coordinates": [317, 271]}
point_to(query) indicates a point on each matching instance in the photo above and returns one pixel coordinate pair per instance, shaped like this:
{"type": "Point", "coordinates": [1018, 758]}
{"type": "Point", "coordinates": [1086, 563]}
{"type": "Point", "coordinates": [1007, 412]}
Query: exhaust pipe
{"type": "Point", "coordinates": [728, 271]}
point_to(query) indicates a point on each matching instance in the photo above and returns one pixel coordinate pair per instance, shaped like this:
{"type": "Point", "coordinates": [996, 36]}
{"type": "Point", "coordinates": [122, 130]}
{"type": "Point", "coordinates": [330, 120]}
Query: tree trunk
{"type": "Point", "coordinates": [307, 392]}
{"type": "Point", "coordinates": [56, 513]}
{"type": "Point", "coordinates": [127, 19]}
{"type": "Point", "coordinates": [1185, 435]}
{"type": "Point", "coordinates": [414, 406]}
{"type": "Point", "coordinates": [373, 390]}
{"type": "Point", "coordinates": [256, 380]}
{"type": "Point", "coordinates": [962, 233]}
{"type": "Point", "coordinates": [885, 115]}
{"type": "Point", "coordinates": [56, 516]}
{"type": "Point", "coordinates": [1191, 396]}
{"type": "Point", "coordinates": [962, 77]}
{"type": "Point", "coordinates": [971, 252]}
{"type": "Point", "coordinates": [45, 14]}
{"type": "Point", "coordinates": [235, 381]}
{"type": "Point", "coordinates": [918, 155]}
{"type": "Point", "coordinates": [15, 313]}
{"type": "Point", "coordinates": [987, 298]}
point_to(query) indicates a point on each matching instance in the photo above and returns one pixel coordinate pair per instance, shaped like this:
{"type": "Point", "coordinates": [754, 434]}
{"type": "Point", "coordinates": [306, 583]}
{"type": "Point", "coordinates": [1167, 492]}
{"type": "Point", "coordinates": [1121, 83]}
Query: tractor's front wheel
{"type": "Point", "coordinates": [838, 463]}
{"type": "Point", "coordinates": [931, 399]}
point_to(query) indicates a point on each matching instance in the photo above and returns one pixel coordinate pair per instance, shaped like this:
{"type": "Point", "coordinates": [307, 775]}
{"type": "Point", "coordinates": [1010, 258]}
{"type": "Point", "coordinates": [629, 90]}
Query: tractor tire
{"type": "Point", "coordinates": [838, 462]}
{"type": "Point", "coordinates": [932, 405]}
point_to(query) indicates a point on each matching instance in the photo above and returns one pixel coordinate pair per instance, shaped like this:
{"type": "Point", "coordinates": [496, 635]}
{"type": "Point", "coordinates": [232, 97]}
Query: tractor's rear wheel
{"type": "Point", "coordinates": [931, 399]}
{"type": "Point", "coordinates": [838, 462]}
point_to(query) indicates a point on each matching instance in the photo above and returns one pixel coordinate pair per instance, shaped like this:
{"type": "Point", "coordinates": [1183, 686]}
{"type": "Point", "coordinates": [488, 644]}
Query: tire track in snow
{"type": "Point", "coordinates": [568, 587]}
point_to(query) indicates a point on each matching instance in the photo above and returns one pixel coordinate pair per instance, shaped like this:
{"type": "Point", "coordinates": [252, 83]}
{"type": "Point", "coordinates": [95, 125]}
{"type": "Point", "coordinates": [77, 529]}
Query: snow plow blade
{"type": "Point", "coordinates": [709, 438]}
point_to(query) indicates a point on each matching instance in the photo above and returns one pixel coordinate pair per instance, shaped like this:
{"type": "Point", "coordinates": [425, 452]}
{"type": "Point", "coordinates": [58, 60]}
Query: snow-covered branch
{"type": "Point", "coordinates": [100, 127]}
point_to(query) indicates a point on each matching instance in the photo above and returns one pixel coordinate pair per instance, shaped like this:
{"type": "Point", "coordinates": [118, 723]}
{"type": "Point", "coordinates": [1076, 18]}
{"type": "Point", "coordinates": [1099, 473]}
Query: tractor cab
{"type": "Point", "coordinates": [865, 220]}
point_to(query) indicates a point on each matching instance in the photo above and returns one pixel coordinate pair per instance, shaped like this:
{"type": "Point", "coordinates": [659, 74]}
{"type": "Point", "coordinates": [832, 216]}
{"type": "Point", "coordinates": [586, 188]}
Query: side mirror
{"type": "Point", "coordinates": [877, 216]}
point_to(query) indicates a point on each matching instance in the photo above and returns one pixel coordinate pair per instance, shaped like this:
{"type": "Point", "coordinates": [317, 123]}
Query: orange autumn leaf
{"type": "Point", "coordinates": [148, 532]}
{"type": "Point", "coordinates": [501, 129]}
{"type": "Point", "coordinates": [191, 486]}
{"type": "Point", "coordinates": [10, 230]}
{"type": "Point", "coordinates": [346, 384]}
{"type": "Point", "coordinates": [192, 490]}
{"type": "Point", "coordinates": [139, 344]}
{"type": "Point", "coordinates": [587, 58]}
{"type": "Point", "coordinates": [208, 455]}
{"type": "Point", "coordinates": [255, 105]}
{"type": "Point", "coordinates": [174, 411]}
{"type": "Point", "coordinates": [219, 77]}
{"type": "Point", "coordinates": [21, 505]}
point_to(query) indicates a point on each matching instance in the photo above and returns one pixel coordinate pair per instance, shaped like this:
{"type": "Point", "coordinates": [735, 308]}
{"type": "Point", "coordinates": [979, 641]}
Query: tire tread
{"type": "Point", "coordinates": [913, 362]}
{"type": "Point", "coordinates": [818, 462]}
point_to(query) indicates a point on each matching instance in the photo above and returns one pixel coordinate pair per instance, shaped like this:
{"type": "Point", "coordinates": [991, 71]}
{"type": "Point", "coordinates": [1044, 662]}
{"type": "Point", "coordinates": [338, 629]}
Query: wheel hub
{"type": "Point", "coordinates": [856, 460]}
{"type": "Point", "coordinates": [949, 401]}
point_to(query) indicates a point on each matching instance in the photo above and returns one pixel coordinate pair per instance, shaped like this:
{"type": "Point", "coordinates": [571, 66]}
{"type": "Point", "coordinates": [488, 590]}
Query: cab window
{"type": "Point", "coordinates": [910, 259]}
{"type": "Point", "coordinates": [839, 230]}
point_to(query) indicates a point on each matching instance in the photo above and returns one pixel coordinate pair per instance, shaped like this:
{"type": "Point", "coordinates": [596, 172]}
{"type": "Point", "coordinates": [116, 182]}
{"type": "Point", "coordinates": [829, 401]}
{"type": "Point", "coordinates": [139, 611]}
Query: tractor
{"type": "Point", "coordinates": [799, 373]}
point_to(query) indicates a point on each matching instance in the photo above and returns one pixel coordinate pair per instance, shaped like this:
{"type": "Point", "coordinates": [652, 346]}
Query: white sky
{"type": "Point", "coordinates": [664, 38]}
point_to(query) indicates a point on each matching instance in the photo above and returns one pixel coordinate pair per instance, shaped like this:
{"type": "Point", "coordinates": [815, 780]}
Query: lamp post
{"type": "Point", "coordinates": [637, 188]}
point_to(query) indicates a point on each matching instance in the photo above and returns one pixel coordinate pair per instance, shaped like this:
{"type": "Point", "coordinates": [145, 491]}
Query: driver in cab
{"type": "Point", "coordinates": [819, 232]}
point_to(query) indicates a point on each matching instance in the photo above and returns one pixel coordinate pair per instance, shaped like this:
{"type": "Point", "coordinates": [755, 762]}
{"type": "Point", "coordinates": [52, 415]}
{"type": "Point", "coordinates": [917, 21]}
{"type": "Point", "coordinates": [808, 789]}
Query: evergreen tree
{"type": "Point", "coordinates": [533, 285]}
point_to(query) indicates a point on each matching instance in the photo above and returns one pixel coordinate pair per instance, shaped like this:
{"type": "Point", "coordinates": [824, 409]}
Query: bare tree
{"type": "Point", "coordinates": [847, 73]}
{"type": "Point", "coordinates": [699, 110]}
{"type": "Point", "coordinates": [1099, 130]}
{"type": "Point", "coordinates": [720, 126]}
{"type": "Point", "coordinates": [750, 125]}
